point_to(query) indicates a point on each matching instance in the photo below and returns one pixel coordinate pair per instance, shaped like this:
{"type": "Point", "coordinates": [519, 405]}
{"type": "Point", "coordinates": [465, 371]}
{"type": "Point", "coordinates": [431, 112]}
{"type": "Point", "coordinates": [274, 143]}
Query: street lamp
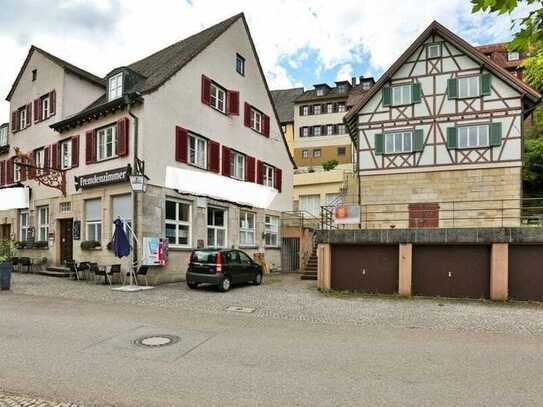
{"type": "Point", "coordinates": [138, 182]}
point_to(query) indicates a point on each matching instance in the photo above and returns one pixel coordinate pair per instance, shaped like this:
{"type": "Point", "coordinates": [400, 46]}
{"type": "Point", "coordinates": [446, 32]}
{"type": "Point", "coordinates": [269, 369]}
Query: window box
{"type": "Point", "coordinates": [87, 245]}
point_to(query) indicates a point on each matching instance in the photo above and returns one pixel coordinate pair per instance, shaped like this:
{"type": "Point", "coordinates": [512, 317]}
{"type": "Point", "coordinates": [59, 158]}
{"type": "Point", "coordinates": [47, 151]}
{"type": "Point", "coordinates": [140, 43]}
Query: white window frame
{"type": "Point", "coordinates": [45, 107]}
{"type": "Point", "coordinates": [341, 107]}
{"type": "Point", "coordinates": [22, 118]}
{"type": "Point", "coordinates": [39, 159]}
{"type": "Point", "coordinates": [93, 227]}
{"type": "Point", "coordinates": [472, 89]}
{"type": "Point", "coordinates": [237, 165]}
{"type": "Point", "coordinates": [115, 86]}
{"type": "Point", "coordinates": [217, 97]}
{"type": "Point", "coordinates": [305, 110]}
{"type": "Point", "coordinates": [246, 230]}
{"type": "Point", "coordinates": [4, 136]}
{"type": "Point", "coordinates": [476, 136]}
{"type": "Point", "coordinates": [513, 56]}
{"type": "Point", "coordinates": [400, 142]}
{"type": "Point", "coordinates": [24, 227]}
{"type": "Point", "coordinates": [305, 131]}
{"type": "Point", "coordinates": [330, 130]}
{"type": "Point", "coordinates": [43, 223]}
{"type": "Point", "coordinates": [341, 129]}
{"type": "Point", "coordinates": [342, 89]}
{"type": "Point", "coordinates": [216, 228]}
{"type": "Point", "coordinates": [305, 154]}
{"type": "Point", "coordinates": [256, 120]}
{"type": "Point", "coordinates": [16, 172]}
{"type": "Point", "coordinates": [271, 231]}
{"type": "Point", "coordinates": [66, 154]}
{"type": "Point", "coordinates": [430, 48]}
{"type": "Point", "coordinates": [317, 109]}
{"type": "Point", "coordinates": [317, 153]}
{"type": "Point", "coordinates": [317, 129]}
{"type": "Point", "coordinates": [401, 95]}
{"type": "Point", "coordinates": [320, 92]}
{"type": "Point", "coordinates": [177, 222]}
{"type": "Point", "coordinates": [102, 143]}
{"type": "Point", "coordinates": [269, 176]}
{"type": "Point", "coordinates": [240, 64]}
{"type": "Point", "coordinates": [330, 108]}
{"type": "Point", "coordinates": [195, 155]}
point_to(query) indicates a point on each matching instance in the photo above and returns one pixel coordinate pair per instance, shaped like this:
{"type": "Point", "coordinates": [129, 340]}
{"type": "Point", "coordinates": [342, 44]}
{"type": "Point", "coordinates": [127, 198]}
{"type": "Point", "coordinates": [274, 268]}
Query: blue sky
{"type": "Point", "coordinates": [300, 42]}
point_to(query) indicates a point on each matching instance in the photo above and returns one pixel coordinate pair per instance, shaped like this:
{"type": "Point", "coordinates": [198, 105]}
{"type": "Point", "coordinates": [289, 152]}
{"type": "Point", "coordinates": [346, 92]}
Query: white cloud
{"type": "Point", "coordinates": [285, 32]}
{"type": "Point", "coordinates": [345, 73]}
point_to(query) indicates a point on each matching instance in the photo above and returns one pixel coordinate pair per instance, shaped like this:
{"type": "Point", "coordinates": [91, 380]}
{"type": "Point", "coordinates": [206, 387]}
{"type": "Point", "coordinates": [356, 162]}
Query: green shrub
{"type": "Point", "coordinates": [329, 165]}
{"type": "Point", "coordinates": [90, 244]}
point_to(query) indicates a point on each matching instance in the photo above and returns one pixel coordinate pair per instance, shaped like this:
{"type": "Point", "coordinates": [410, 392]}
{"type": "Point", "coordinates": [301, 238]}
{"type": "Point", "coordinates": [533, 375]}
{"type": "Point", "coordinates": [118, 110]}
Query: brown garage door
{"type": "Point", "coordinates": [371, 269]}
{"type": "Point", "coordinates": [526, 272]}
{"type": "Point", "coordinates": [451, 271]}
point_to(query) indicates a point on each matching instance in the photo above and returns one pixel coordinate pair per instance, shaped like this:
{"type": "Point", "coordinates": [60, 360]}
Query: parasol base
{"type": "Point", "coordinates": [132, 288]}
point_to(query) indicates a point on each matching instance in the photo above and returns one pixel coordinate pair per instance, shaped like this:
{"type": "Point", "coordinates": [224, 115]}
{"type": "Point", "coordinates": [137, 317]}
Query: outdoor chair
{"type": "Point", "coordinates": [101, 272]}
{"type": "Point", "coordinates": [39, 264]}
{"type": "Point", "coordinates": [93, 270]}
{"type": "Point", "coordinates": [115, 269]}
{"type": "Point", "coordinates": [70, 264]}
{"type": "Point", "coordinates": [25, 262]}
{"type": "Point", "coordinates": [141, 272]}
{"type": "Point", "coordinates": [14, 262]}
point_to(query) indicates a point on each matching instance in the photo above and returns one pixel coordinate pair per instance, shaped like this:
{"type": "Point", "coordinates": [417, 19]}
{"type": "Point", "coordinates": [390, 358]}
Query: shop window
{"type": "Point", "coordinates": [43, 223]}
{"type": "Point", "coordinates": [246, 228]}
{"type": "Point", "coordinates": [93, 219]}
{"type": "Point", "coordinates": [24, 226]}
{"type": "Point", "coordinates": [271, 224]}
{"type": "Point", "coordinates": [178, 223]}
{"type": "Point", "coordinates": [216, 227]}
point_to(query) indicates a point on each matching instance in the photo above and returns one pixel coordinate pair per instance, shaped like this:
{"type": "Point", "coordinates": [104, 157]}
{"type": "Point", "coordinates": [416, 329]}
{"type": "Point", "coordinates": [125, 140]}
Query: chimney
{"type": "Point", "coordinates": [353, 81]}
{"type": "Point", "coordinates": [361, 79]}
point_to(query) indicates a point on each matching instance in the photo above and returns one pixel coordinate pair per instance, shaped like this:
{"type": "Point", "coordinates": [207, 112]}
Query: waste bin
{"type": "Point", "coordinates": [5, 275]}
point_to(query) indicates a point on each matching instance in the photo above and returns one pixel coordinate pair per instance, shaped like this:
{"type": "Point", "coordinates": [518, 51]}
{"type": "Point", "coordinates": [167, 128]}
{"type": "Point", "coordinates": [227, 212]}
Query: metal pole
{"type": "Point", "coordinates": [134, 195]}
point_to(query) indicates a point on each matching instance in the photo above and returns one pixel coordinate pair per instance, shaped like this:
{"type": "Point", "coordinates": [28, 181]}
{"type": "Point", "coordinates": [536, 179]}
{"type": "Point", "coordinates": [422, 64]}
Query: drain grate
{"type": "Point", "coordinates": [246, 310]}
{"type": "Point", "coordinates": [156, 341]}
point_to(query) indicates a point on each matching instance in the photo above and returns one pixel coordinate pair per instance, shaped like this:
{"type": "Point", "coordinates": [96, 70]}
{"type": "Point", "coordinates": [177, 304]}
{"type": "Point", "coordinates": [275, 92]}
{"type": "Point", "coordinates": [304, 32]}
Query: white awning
{"type": "Point", "coordinates": [14, 198]}
{"type": "Point", "coordinates": [216, 186]}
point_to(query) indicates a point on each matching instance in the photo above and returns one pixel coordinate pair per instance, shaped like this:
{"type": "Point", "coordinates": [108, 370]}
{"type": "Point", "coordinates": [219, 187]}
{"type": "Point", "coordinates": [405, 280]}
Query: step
{"type": "Point", "coordinates": [309, 276]}
{"type": "Point", "coordinates": [53, 271]}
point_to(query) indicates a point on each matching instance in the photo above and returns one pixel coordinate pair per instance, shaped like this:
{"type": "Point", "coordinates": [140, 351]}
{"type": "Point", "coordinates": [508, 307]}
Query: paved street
{"type": "Point", "coordinates": [73, 342]}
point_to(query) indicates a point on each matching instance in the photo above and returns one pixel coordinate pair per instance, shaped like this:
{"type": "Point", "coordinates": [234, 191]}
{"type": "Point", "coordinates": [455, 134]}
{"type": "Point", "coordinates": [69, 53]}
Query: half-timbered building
{"type": "Point", "coordinates": [439, 138]}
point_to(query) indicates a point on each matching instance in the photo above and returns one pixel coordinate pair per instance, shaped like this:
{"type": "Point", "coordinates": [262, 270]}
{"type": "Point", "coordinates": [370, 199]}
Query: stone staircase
{"type": "Point", "coordinates": [56, 271]}
{"type": "Point", "coordinates": [310, 271]}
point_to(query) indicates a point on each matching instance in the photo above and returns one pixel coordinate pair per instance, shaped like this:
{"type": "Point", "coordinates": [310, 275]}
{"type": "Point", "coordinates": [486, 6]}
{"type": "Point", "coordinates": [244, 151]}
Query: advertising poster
{"type": "Point", "coordinates": [347, 214]}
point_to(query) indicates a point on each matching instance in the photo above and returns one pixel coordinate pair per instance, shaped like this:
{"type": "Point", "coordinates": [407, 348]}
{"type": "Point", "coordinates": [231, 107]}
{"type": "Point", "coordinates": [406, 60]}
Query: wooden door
{"type": "Point", "coordinates": [66, 240]}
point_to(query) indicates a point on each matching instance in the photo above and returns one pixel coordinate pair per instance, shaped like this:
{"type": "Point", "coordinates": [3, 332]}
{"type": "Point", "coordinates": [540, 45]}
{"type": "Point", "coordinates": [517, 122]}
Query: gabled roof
{"type": "Point", "coordinates": [162, 65]}
{"type": "Point", "coordinates": [60, 62]}
{"type": "Point", "coordinates": [283, 99]}
{"type": "Point", "coordinates": [461, 44]}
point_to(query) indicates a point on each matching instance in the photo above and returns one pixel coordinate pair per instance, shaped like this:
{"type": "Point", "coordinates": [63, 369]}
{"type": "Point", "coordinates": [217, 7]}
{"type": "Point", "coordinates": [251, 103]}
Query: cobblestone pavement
{"type": "Point", "coordinates": [286, 297]}
{"type": "Point", "coordinates": [11, 400]}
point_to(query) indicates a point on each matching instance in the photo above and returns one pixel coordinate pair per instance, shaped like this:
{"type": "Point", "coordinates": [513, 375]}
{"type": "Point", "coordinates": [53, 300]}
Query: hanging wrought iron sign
{"type": "Point", "coordinates": [47, 176]}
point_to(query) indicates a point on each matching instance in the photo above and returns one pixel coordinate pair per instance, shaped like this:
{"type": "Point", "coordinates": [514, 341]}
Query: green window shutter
{"type": "Point", "coordinates": [485, 84]}
{"type": "Point", "coordinates": [387, 96]}
{"type": "Point", "coordinates": [452, 138]}
{"type": "Point", "coordinates": [418, 140]}
{"type": "Point", "coordinates": [452, 88]}
{"type": "Point", "coordinates": [495, 134]}
{"type": "Point", "coordinates": [379, 144]}
{"type": "Point", "coordinates": [416, 92]}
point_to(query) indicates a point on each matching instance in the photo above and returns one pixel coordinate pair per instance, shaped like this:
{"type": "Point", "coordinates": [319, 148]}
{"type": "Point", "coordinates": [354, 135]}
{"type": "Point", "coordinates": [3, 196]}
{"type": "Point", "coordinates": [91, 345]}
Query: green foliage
{"type": "Point", "coordinates": [6, 250]}
{"type": "Point", "coordinates": [532, 175]}
{"type": "Point", "coordinates": [533, 71]}
{"type": "Point", "coordinates": [90, 245]}
{"type": "Point", "coordinates": [329, 165]}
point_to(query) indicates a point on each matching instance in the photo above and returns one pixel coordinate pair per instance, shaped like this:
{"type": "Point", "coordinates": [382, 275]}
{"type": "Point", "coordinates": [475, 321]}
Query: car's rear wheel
{"type": "Point", "coordinates": [225, 284]}
{"type": "Point", "coordinates": [258, 279]}
{"type": "Point", "coordinates": [191, 285]}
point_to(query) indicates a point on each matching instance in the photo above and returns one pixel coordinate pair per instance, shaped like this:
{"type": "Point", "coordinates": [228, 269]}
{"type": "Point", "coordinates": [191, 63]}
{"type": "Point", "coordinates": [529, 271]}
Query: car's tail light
{"type": "Point", "coordinates": [218, 262]}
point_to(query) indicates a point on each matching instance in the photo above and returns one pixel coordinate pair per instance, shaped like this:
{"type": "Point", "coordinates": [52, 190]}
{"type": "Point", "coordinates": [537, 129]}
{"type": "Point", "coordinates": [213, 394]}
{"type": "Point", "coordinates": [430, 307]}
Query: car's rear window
{"type": "Point", "coordinates": [207, 256]}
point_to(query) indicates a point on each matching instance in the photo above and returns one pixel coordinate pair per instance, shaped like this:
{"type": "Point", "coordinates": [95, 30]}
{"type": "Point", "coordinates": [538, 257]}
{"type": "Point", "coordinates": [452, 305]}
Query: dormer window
{"type": "Point", "coordinates": [513, 56]}
{"type": "Point", "coordinates": [116, 86]}
{"type": "Point", "coordinates": [342, 88]}
{"type": "Point", "coordinates": [34, 75]}
{"type": "Point", "coordinates": [320, 92]}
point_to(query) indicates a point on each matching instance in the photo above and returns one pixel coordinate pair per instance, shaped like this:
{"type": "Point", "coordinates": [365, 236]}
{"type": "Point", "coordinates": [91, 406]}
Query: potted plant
{"type": "Point", "coordinates": [6, 268]}
{"type": "Point", "coordinates": [90, 245]}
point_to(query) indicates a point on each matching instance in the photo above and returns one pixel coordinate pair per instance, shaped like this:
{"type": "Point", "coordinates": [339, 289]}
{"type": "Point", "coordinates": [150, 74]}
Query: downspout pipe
{"type": "Point", "coordinates": [134, 195]}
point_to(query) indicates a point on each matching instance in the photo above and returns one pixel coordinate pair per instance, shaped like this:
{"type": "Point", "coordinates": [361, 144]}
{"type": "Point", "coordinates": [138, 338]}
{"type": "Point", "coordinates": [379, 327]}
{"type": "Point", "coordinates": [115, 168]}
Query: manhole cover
{"type": "Point", "coordinates": [156, 341]}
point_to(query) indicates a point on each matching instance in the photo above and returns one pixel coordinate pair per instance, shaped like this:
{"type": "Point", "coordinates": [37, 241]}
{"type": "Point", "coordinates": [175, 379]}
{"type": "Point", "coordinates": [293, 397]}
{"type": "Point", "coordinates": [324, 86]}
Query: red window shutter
{"type": "Point", "coordinates": [55, 155]}
{"type": "Point", "coordinates": [2, 173]}
{"type": "Point", "coordinates": [233, 103]}
{"type": "Point", "coordinates": [31, 170]}
{"type": "Point", "coordinates": [9, 171]}
{"type": "Point", "coordinates": [47, 158]}
{"type": "Point", "coordinates": [122, 137]}
{"type": "Point", "coordinates": [250, 169]}
{"type": "Point", "coordinates": [213, 156]}
{"type": "Point", "coordinates": [14, 121]}
{"type": "Point", "coordinates": [278, 179]}
{"type": "Point", "coordinates": [181, 144]}
{"type": "Point", "coordinates": [75, 151]}
{"type": "Point", "coordinates": [37, 111]}
{"type": "Point", "coordinates": [29, 114]}
{"type": "Point", "coordinates": [266, 126]}
{"type": "Point", "coordinates": [260, 172]}
{"type": "Point", "coordinates": [247, 117]}
{"type": "Point", "coordinates": [52, 103]}
{"type": "Point", "coordinates": [90, 147]}
{"type": "Point", "coordinates": [206, 90]}
{"type": "Point", "coordinates": [225, 161]}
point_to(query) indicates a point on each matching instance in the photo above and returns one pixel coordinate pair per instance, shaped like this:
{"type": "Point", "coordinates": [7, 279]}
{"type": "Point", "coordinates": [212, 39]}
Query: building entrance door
{"type": "Point", "coordinates": [66, 240]}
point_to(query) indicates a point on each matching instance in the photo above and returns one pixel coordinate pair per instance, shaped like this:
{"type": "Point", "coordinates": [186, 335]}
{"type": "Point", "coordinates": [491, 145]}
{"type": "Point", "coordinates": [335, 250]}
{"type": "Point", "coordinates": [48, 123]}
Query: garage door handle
{"type": "Point", "coordinates": [363, 272]}
{"type": "Point", "coordinates": [450, 274]}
